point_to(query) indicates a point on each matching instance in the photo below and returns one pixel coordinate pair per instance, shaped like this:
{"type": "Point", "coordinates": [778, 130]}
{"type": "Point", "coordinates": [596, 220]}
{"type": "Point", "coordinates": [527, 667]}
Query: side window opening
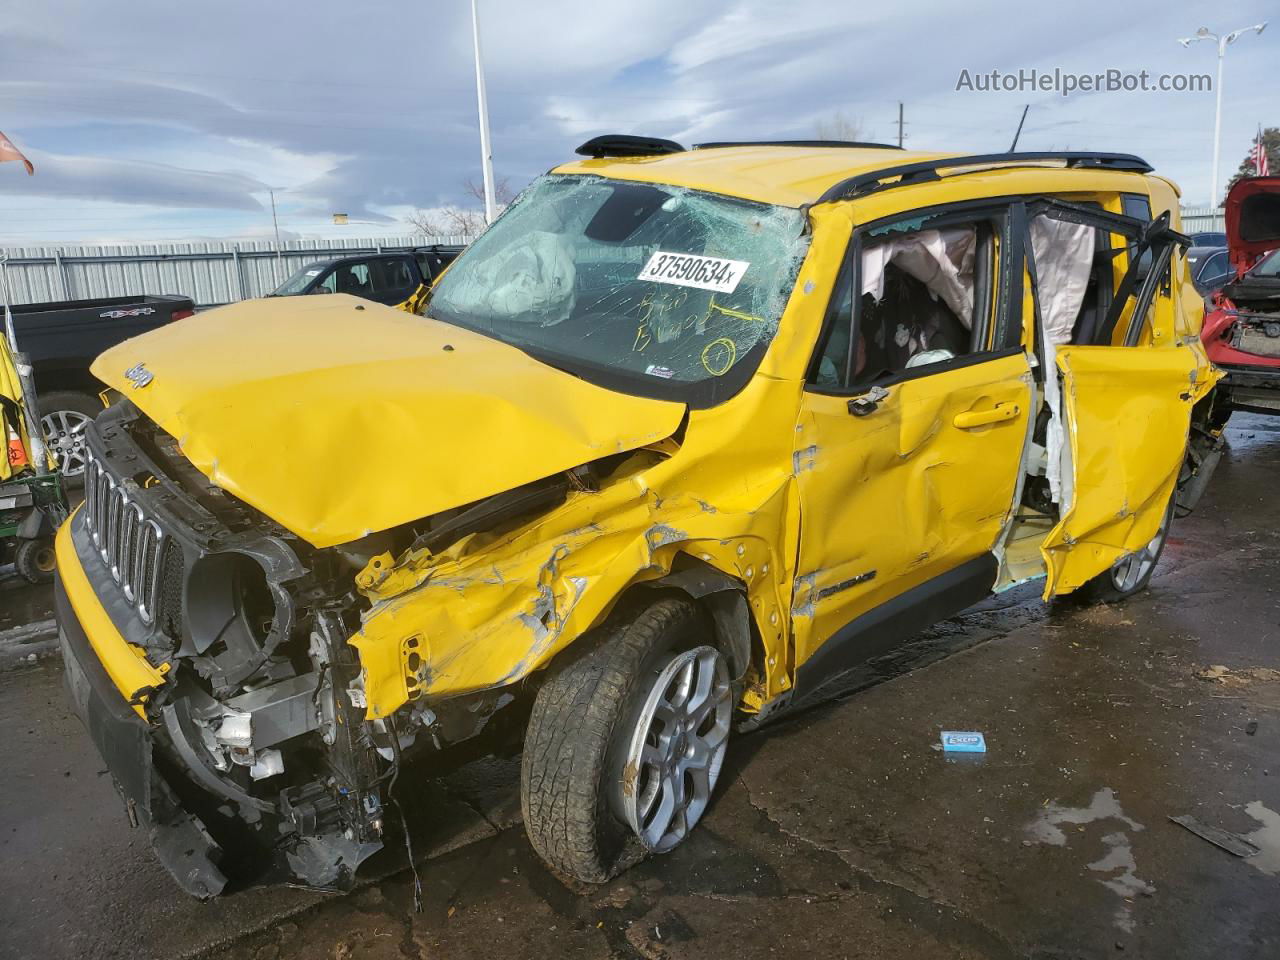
{"type": "Point", "coordinates": [327, 285]}
{"type": "Point", "coordinates": [429, 264]}
{"type": "Point", "coordinates": [925, 296]}
{"type": "Point", "coordinates": [394, 282]}
{"type": "Point", "coordinates": [354, 279]}
{"type": "Point", "coordinates": [1081, 300]}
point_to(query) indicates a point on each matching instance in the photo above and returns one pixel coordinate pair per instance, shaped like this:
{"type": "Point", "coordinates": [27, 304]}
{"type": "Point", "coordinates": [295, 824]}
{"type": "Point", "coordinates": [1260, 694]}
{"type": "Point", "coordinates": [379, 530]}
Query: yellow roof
{"type": "Point", "coordinates": [790, 176]}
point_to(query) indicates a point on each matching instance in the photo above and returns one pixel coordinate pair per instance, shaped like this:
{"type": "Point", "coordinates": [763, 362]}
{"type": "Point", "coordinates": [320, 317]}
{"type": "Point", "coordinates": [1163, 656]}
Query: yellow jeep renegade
{"type": "Point", "coordinates": [685, 438]}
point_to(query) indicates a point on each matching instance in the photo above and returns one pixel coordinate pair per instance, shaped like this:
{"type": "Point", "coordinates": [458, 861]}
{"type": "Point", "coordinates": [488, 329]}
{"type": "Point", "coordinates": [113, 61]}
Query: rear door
{"type": "Point", "coordinates": [1126, 398]}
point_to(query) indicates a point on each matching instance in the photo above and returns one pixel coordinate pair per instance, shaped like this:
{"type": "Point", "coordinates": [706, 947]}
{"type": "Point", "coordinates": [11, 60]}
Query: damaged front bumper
{"type": "Point", "coordinates": [208, 828]}
{"type": "Point", "coordinates": [181, 841]}
{"type": "Point", "coordinates": [211, 667]}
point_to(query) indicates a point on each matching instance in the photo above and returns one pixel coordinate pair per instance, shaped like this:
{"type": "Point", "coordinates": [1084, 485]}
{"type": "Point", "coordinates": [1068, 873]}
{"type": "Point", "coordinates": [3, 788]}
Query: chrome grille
{"type": "Point", "coordinates": [129, 542]}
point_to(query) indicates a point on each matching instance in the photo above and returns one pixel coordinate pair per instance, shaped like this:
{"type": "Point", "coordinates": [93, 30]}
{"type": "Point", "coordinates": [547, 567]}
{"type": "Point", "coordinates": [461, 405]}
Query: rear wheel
{"type": "Point", "coordinates": [34, 559]}
{"type": "Point", "coordinates": [1132, 572]}
{"type": "Point", "coordinates": [64, 414]}
{"type": "Point", "coordinates": [626, 741]}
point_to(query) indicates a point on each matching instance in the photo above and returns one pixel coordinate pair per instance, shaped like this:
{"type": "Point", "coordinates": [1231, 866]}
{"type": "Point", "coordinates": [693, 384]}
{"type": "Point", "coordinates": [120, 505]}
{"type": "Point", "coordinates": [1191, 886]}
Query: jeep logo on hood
{"type": "Point", "coordinates": [139, 376]}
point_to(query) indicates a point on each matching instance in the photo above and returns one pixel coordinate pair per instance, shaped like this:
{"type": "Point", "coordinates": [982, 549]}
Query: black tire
{"type": "Point", "coordinates": [34, 560]}
{"type": "Point", "coordinates": [74, 404]}
{"type": "Point", "coordinates": [581, 714]}
{"type": "Point", "coordinates": [1107, 587]}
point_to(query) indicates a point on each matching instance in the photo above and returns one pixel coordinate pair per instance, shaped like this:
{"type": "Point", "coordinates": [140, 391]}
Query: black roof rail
{"type": "Point", "coordinates": [857, 144]}
{"type": "Point", "coordinates": [624, 145]}
{"type": "Point", "coordinates": [925, 170]}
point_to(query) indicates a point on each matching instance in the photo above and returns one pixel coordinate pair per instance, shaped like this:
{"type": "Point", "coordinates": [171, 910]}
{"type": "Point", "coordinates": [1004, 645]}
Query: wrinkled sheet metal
{"type": "Point", "coordinates": [489, 610]}
{"type": "Point", "coordinates": [408, 418]}
{"type": "Point", "coordinates": [1128, 415]}
{"type": "Point", "coordinates": [893, 499]}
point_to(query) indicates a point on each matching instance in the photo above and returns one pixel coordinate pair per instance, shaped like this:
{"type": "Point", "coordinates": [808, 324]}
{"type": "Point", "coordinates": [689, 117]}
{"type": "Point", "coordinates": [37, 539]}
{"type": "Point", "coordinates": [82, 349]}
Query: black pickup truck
{"type": "Point", "coordinates": [61, 339]}
{"type": "Point", "coordinates": [399, 278]}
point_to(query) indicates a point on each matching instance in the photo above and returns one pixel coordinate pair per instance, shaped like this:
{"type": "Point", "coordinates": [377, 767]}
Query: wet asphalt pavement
{"type": "Point", "coordinates": [842, 832]}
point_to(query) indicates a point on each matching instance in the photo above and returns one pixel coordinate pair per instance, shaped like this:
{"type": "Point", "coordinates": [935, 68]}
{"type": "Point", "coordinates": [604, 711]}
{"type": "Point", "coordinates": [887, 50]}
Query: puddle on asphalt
{"type": "Point", "coordinates": [1104, 806]}
{"type": "Point", "coordinates": [1266, 838]}
{"type": "Point", "coordinates": [1118, 860]}
{"type": "Point", "coordinates": [1124, 880]}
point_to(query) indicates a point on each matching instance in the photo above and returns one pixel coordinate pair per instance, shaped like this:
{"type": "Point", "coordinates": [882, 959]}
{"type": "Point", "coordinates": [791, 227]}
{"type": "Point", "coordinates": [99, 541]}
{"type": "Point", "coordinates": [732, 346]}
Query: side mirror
{"type": "Point", "coordinates": [868, 402]}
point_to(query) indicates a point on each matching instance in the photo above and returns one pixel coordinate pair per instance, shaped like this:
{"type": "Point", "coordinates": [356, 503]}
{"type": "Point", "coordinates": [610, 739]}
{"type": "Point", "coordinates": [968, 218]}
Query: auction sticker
{"type": "Point", "coordinates": [688, 270]}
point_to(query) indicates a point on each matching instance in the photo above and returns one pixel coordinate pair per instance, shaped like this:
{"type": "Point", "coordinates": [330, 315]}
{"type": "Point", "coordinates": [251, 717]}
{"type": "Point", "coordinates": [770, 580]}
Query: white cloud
{"type": "Point", "coordinates": [187, 112]}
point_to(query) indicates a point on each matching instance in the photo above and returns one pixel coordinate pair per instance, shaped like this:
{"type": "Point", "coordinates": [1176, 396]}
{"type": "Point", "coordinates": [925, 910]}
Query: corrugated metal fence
{"type": "Point", "coordinates": [209, 273]}
{"type": "Point", "coordinates": [1201, 220]}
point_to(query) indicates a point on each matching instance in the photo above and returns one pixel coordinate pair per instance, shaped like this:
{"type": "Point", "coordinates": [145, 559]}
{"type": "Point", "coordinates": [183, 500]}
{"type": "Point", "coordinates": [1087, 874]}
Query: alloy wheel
{"type": "Point", "coordinates": [1131, 569]}
{"type": "Point", "coordinates": [64, 434]}
{"type": "Point", "coordinates": [676, 749]}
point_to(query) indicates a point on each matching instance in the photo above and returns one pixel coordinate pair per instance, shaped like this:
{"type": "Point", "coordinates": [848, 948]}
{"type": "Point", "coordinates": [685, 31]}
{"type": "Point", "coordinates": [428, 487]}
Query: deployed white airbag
{"type": "Point", "coordinates": [531, 282]}
{"type": "Point", "coordinates": [1064, 258]}
{"type": "Point", "coordinates": [940, 259]}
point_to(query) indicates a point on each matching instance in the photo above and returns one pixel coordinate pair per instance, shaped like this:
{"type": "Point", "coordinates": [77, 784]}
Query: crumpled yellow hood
{"type": "Point", "coordinates": [337, 421]}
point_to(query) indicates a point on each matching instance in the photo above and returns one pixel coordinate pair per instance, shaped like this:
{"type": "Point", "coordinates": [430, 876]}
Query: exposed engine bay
{"type": "Point", "coordinates": [1256, 319]}
{"type": "Point", "coordinates": [260, 727]}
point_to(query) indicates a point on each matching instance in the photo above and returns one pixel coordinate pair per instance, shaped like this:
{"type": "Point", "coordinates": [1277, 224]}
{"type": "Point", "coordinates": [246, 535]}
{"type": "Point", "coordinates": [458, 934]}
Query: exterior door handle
{"type": "Point", "coordinates": [980, 418]}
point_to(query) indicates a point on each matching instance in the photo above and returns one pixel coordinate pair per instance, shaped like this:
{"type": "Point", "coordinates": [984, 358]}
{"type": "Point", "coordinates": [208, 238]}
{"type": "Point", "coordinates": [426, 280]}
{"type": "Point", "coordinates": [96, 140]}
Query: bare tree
{"type": "Point", "coordinates": [427, 222]}
{"type": "Point", "coordinates": [453, 220]}
{"type": "Point", "coordinates": [502, 192]}
{"type": "Point", "coordinates": [839, 127]}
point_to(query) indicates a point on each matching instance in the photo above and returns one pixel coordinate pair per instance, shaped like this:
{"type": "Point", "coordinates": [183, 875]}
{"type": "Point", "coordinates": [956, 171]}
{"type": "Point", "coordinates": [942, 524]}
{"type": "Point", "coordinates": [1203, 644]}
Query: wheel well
{"type": "Point", "coordinates": [724, 598]}
{"type": "Point", "coordinates": [721, 597]}
{"type": "Point", "coordinates": [81, 381]}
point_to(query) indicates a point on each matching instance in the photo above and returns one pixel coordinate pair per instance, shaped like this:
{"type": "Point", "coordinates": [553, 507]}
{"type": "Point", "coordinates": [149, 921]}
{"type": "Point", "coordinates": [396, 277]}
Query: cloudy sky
{"type": "Point", "coordinates": [155, 120]}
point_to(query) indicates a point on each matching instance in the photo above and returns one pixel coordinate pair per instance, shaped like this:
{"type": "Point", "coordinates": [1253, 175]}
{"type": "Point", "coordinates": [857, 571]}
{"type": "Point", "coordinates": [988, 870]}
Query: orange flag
{"type": "Point", "coordinates": [9, 152]}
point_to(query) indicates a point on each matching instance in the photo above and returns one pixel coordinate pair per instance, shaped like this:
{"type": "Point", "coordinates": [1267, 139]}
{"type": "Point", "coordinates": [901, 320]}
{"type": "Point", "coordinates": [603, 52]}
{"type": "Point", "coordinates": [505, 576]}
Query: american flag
{"type": "Point", "coordinates": [1261, 168]}
{"type": "Point", "coordinates": [9, 152]}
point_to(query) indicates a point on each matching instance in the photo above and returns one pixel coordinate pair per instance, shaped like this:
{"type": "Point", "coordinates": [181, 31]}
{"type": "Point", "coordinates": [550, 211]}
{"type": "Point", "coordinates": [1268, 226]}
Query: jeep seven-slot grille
{"type": "Point", "coordinates": [129, 542]}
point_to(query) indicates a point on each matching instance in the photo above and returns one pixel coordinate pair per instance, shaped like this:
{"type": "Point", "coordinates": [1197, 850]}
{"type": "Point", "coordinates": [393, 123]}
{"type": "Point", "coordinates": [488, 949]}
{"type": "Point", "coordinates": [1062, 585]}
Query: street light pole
{"type": "Point", "coordinates": [275, 223]}
{"type": "Point", "coordinates": [1224, 41]}
{"type": "Point", "coordinates": [486, 152]}
{"type": "Point", "coordinates": [1217, 128]}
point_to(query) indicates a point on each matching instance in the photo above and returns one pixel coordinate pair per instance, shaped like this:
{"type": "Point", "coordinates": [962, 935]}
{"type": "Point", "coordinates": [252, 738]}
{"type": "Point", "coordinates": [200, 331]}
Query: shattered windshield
{"type": "Point", "coordinates": [650, 289]}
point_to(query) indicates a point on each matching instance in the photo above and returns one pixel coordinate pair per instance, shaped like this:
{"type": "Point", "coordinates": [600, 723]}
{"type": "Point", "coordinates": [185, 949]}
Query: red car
{"type": "Point", "coordinates": [1242, 326]}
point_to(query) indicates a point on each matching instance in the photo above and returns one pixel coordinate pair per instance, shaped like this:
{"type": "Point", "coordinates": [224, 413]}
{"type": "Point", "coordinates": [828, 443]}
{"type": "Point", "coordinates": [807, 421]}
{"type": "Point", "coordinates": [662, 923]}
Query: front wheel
{"type": "Point", "coordinates": [1132, 572]}
{"type": "Point", "coordinates": [626, 741]}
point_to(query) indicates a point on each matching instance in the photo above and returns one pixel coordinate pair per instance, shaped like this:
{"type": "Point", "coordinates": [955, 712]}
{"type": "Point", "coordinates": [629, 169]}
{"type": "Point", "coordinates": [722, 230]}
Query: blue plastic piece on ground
{"type": "Point", "coordinates": [963, 741]}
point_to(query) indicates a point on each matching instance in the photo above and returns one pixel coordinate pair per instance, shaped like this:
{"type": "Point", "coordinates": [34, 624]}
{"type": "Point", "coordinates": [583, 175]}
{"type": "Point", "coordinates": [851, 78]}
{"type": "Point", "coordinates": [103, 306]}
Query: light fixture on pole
{"type": "Point", "coordinates": [486, 152]}
{"type": "Point", "coordinates": [1224, 41]}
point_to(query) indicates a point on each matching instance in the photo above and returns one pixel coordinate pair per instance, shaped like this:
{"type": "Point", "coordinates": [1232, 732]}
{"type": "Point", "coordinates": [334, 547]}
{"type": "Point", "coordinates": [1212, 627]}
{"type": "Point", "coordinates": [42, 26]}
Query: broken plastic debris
{"type": "Point", "coordinates": [963, 741]}
{"type": "Point", "coordinates": [1230, 842]}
